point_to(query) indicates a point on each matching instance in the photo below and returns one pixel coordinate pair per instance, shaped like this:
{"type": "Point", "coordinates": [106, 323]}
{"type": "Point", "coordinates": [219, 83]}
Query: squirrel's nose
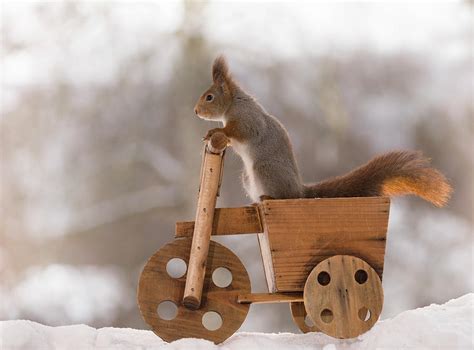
{"type": "Point", "coordinates": [196, 110]}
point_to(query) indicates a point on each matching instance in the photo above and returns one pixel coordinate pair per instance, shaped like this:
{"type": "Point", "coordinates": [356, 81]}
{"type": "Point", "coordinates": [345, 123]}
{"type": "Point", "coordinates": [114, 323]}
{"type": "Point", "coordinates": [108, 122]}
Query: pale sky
{"type": "Point", "coordinates": [92, 53]}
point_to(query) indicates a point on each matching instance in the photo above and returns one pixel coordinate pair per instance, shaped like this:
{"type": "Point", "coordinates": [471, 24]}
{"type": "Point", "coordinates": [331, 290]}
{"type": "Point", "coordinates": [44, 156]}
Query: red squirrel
{"type": "Point", "coordinates": [270, 169]}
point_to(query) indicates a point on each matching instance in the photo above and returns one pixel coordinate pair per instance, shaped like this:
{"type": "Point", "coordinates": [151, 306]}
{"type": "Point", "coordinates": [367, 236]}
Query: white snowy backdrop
{"type": "Point", "coordinates": [99, 144]}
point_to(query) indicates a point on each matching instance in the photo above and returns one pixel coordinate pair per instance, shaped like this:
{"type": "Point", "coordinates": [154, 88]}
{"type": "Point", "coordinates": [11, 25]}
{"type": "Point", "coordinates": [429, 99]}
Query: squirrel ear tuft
{"type": "Point", "coordinates": [220, 70]}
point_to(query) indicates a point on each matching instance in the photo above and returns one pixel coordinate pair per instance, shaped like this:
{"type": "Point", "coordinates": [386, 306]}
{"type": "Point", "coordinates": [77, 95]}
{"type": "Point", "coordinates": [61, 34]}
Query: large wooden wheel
{"type": "Point", "coordinates": [301, 318]}
{"type": "Point", "coordinates": [156, 287]}
{"type": "Point", "coordinates": [343, 296]}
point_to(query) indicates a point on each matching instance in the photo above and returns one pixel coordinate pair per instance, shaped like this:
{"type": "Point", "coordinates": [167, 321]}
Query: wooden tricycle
{"type": "Point", "coordinates": [324, 257]}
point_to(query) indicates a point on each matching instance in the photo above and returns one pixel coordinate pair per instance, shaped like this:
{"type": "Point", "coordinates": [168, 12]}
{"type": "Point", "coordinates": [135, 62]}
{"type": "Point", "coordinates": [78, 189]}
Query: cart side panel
{"type": "Point", "coordinates": [300, 233]}
{"type": "Point", "coordinates": [267, 261]}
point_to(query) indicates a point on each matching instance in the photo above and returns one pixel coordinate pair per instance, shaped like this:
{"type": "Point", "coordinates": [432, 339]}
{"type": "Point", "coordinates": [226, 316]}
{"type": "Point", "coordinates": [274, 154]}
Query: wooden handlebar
{"type": "Point", "coordinates": [208, 191]}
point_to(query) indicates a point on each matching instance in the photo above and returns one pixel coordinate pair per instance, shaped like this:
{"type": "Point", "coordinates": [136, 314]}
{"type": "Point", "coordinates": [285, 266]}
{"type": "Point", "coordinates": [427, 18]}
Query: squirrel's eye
{"type": "Point", "coordinates": [209, 97]}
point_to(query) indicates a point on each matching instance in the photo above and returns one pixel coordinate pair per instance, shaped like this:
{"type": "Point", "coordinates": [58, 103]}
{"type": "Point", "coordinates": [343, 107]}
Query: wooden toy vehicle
{"type": "Point", "coordinates": [324, 257]}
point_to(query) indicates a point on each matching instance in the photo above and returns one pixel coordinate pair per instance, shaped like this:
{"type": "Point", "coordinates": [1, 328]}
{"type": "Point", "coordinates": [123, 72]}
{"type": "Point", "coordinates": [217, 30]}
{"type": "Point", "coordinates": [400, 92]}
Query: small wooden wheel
{"type": "Point", "coordinates": [343, 296]}
{"type": "Point", "coordinates": [301, 318]}
{"type": "Point", "coordinates": [157, 287]}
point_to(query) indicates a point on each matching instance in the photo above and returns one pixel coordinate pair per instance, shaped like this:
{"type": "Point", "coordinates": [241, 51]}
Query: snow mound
{"type": "Point", "coordinates": [448, 326]}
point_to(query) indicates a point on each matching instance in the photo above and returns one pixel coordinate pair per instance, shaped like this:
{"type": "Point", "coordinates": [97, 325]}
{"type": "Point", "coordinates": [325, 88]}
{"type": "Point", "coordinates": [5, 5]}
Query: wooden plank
{"type": "Point", "coordinates": [268, 298]}
{"type": "Point", "coordinates": [227, 221]}
{"type": "Point", "coordinates": [300, 233]}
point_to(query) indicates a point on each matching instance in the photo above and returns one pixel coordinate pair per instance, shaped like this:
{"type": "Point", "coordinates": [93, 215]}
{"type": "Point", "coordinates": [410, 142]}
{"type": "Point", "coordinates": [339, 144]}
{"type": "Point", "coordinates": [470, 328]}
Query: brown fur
{"type": "Point", "coordinates": [391, 174]}
{"type": "Point", "coordinates": [231, 130]}
{"type": "Point", "coordinates": [220, 71]}
{"type": "Point", "coordinates": [222, 90]}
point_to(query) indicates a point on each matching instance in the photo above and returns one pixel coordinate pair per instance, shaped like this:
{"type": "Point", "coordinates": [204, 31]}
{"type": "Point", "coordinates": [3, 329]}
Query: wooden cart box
{"type": "Point", "coordinates": [300, 233]}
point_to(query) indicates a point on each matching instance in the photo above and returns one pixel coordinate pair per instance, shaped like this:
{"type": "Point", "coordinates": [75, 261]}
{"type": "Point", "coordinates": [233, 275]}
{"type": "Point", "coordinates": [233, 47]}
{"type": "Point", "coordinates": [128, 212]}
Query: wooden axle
{"type": "Point", "coordinates": [268, 298]}
{"type": "Point", "coordinates": [208, 191]}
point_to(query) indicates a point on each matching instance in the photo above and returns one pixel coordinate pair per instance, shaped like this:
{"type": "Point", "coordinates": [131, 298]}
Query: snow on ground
{"type": "Point", "coordinates": [448, 326]}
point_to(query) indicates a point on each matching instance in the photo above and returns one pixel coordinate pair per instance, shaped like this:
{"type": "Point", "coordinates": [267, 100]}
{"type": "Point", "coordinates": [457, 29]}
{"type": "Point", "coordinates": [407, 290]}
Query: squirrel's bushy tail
{"type": "Point", "coordinates": [390, 174]}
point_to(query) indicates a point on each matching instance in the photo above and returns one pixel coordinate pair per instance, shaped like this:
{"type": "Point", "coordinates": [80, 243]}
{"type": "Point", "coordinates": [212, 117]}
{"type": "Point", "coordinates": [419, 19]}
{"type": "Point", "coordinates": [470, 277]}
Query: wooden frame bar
{"type": "Point", "coordinates": [268, 298]}
{"type": "Point", "coordinates": [227, 221]}
{"type": "Point", "coordinates": [208, 190]}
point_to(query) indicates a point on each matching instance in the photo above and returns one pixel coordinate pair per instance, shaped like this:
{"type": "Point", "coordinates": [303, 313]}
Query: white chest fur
{"type": "Point", "coordinates": [254, 188]}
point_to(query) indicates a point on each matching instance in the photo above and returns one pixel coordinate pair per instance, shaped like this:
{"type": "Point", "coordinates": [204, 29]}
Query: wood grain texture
{"type": "Point", "coordinates": [300, 233]}
{"type": "Point", "coordinates": [210, 179]}
{"type": "Point", "coordinates": [267, 261]}
{"type": "Point", "coordinates": [269, 298]}
{"type": "Point", "coordinates": [227, 221]}
{"type": "Point", "coordinates": [338, 300]}
{"type": "Point", "coordinates": [298, 313]}
{"type": "Point", "coordinates": [156, 285]}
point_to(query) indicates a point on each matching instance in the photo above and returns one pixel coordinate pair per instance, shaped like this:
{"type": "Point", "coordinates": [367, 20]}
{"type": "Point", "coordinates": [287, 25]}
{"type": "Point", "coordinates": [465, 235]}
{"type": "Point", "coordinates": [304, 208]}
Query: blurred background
{"type": "Point", "coordinates": [100, 148]}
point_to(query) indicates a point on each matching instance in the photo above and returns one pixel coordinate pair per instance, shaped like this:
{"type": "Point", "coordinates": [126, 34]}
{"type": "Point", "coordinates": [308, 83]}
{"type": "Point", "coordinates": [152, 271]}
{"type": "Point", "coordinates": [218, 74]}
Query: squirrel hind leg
{"type": "Point", "coordinates": [275, 183]}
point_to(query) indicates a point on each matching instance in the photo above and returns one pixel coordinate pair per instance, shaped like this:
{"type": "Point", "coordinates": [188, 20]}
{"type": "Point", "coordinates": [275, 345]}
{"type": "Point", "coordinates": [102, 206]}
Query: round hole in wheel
{"type": "Point", "coordinates": [327, 316]}
{"type": "Point", "coordinates": [324, 278]}
{"type": "Point", "coordinates": [212, 321]}
{"type": "Point", "coordinates": [308, 321]}
{"type": "Point", "coordinates": [364, 314]}
{"type": "Point", "coordinates": [361, 276]}
{"type": "Point", "coordinates": [176, 268]}
{"type": "Point", "coordinates": [167, 310]}
{"type": "Point", "coordinates": [222, 277]}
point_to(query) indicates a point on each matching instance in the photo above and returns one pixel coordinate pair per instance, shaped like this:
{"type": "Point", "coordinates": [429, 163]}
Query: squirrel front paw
{"type": "Point", "coordinates": [261, 199]}
{"type": "Point", "coordinates": [212, 132]}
